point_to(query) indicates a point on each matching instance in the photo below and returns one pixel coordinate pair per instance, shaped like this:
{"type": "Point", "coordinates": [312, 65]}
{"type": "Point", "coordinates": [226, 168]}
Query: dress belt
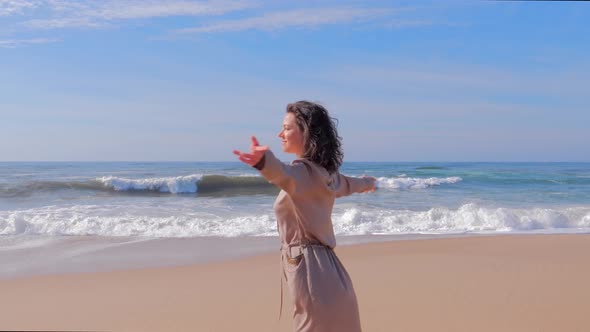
{"type": "Point", "coordinates": [303, 245]}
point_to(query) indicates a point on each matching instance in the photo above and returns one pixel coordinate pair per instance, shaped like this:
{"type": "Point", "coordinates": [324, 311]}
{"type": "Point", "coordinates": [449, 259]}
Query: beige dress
{"type": "Point", "coordinates": [321, 290]}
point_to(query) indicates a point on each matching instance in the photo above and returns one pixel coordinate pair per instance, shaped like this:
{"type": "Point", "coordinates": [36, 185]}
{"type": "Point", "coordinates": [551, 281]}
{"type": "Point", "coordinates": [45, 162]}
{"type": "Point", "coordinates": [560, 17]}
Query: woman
{"type": "Point", "coordinates": [321, 289]}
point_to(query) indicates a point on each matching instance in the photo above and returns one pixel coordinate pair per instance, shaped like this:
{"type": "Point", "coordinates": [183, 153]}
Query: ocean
{"type": "Point", "coordinates": [59, 214]}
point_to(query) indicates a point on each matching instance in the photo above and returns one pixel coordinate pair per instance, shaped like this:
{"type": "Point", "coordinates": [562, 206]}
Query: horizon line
{"type": "Point", "coordinates": [237, 161]}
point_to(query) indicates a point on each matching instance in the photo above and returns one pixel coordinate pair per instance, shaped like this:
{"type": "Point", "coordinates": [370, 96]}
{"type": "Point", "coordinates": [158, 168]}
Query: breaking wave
{"type": "Point", "coordinates": [196, 183]}
{"type": "Point", "coordinates": [405, 183]}
{"type": "Point", "coordinates": [123, 221]}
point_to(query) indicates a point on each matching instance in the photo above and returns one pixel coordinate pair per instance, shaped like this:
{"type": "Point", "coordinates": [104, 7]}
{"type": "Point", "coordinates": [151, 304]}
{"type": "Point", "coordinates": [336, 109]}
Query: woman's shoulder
{"type": "Point", "coordinates": [310, 165]}
{"type": "Point", "coordinates": [317, 172]}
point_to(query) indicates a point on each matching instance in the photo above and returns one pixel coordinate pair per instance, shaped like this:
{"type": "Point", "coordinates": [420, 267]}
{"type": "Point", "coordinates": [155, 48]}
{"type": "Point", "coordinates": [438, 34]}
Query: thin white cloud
{"type": "Point", "coordinates": [150, 9]}
{"type": "Point", "coordinates": [12, 7]}
{"type": "Point", "coordinates": [13, 43]}
{"type": "Point", "coordinates": [92, 14]}
{"type": "Point", "coordinates": [59, 23]}
{"type": "Point", "coordinates": [97, 14]}
{"type": "Point", "coordinates": [299, 18]}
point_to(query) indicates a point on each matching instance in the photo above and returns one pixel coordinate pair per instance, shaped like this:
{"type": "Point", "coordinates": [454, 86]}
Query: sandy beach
{"type": "Point", "coordinates": [480, 283]}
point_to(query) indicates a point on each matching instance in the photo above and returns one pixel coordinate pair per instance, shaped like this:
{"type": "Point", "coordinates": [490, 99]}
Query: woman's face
{"type": "Point", "coordinates": [291, 136]}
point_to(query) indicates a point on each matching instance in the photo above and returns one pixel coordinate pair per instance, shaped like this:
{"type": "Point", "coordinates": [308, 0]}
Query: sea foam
{"type": "Point", "coordinates": [469, 218]}
{"type": "Point", "coordinates": [405, 183]}
{"type": "Point", "coordinates": [122, 220]}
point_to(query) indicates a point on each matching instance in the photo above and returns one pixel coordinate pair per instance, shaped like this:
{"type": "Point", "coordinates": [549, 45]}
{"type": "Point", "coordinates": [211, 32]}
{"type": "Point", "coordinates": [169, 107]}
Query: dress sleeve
{"type": "Point", "coordinates": [291, 178]}
{"type": "Point", "coordinates": [347, 185]}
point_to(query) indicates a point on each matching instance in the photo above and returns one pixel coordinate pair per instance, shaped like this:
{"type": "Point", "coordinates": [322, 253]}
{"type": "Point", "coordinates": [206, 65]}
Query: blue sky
{"type": "Point", "coordinates": [192, 80]}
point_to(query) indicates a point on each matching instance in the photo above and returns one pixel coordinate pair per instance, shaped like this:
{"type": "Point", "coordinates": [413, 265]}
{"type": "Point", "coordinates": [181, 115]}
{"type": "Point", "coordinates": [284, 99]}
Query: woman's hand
{"type": "Point", "coordinates": [373, 185]}
{"type": "Point", "coordinates": [256, 153]}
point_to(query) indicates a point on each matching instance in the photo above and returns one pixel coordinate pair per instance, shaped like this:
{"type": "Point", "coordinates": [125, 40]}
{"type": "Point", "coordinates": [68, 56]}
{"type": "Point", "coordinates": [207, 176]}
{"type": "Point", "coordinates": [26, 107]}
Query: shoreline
{"type": "Point", "coordinates": [42, 255]}
{"type": "Point", "coordinates": [24, 256]}
{"type": "Point", "coordinates": [475, 283]}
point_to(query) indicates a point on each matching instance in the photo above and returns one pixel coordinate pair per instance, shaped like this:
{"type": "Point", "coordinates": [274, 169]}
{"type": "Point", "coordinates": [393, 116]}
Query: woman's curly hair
{"type": "Point", "coordinates": [322, 145]}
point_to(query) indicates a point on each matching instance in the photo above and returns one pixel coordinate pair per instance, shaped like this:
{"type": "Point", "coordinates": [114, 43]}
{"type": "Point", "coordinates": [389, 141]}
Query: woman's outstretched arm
{"type": "Point", "coordinates": [347, 185]}
{"type": "Point", "coordinates": [287, 177]}
{"type": "Point", "coordinates": [255, 155]}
